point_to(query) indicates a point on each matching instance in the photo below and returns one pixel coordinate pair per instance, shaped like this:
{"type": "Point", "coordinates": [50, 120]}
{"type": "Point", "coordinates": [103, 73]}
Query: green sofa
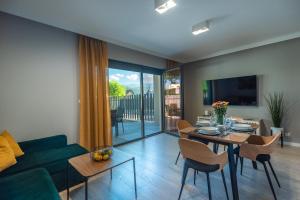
{"type": "Point", "coordinates": [33, 184]}
{"type": "Point", "coordinates": [52, 154]}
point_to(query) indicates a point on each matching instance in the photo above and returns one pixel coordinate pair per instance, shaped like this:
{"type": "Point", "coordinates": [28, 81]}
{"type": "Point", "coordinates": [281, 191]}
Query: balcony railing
{"type": "Point", "coordinates": [131, 106]}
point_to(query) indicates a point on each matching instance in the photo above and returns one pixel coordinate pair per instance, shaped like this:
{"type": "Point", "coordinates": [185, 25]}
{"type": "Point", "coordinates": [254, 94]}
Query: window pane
{"type": "Point", "coordinates": [152, 103]}
{"type": "Point", "coordinates": [125, 103]}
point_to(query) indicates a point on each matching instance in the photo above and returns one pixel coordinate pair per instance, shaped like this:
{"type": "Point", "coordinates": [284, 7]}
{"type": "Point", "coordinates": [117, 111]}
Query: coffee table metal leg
{"type": "Point", "coordinates": [86, 188]}
{"type": "Point", "coordinates": [134, 174]}
{"type": "Point", "coordinates": [68, 189]}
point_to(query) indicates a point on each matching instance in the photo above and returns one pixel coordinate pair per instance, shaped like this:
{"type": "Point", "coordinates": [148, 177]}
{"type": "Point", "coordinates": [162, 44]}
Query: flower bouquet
{"type": "Point", "coordinates": [220, 108]}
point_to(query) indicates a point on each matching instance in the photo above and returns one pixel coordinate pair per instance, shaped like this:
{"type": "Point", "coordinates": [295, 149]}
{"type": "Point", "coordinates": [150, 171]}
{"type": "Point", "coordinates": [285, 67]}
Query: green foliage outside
{"type": "Point", "coordinates": [116, 89]}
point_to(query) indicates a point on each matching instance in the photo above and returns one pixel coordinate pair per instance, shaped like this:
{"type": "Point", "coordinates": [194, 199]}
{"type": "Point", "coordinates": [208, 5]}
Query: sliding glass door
{"type": "Point", "coordinates": [152, 103]}
{"type": "Point", "coordinates": [135, 102]}
{"type": "Point", "coordinates": [125, 104]}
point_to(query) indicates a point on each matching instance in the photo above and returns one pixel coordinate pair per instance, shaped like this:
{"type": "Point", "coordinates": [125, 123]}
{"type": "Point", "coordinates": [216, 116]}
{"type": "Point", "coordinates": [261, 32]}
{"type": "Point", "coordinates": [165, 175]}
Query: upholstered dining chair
{"type": "Point", "coordinates": [260, 148]}
{"type": "Point", "coordinates": [181, 124]}
{"type": "Point", "coordinates": [199, 157]}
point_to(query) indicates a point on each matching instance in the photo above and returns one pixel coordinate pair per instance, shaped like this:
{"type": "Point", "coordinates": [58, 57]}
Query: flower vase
{"type": "Point", "coordinates": [220, 119]}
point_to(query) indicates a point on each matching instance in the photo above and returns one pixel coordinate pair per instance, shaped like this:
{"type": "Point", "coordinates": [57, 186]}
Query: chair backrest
{"type": "Point", "coordinates": [200, 152]}
{"type": "Point", "coordinates": [113, 115]}
{"type": "Point", "coordinates": [120, 112]}
{"type": "Point", "coordinates": [182, 124]}
{"type": "Point", "coordinates": [258, 145]}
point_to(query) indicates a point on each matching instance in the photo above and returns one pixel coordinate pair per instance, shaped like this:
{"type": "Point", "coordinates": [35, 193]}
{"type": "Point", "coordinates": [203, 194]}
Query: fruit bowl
{"type": "Point", "coordinates": [101, 154]}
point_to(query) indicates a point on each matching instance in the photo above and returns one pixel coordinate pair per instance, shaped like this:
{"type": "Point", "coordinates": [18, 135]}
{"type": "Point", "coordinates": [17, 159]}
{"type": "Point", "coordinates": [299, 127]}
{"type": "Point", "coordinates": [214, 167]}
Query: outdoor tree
{"type": "Point", "coordinates": [116, 89]}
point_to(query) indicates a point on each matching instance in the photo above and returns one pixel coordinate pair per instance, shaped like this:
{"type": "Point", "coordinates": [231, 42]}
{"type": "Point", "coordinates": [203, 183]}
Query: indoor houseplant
{"type": "Point", "coordinates": [276, 107]}
{"type": "Point", "coordinates": [220, 108]}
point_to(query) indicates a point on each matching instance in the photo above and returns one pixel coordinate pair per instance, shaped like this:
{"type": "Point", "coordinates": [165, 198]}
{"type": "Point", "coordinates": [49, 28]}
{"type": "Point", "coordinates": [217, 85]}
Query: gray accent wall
{"type": "Point", "coordinates": [278, 69]}
{"type": "Point", "coordinates": [39, 78]}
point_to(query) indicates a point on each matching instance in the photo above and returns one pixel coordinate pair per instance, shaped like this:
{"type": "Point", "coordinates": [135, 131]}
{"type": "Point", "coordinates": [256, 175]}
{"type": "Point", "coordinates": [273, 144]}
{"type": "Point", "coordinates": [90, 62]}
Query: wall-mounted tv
{"type": "Point", "coordinates": [237, 91]}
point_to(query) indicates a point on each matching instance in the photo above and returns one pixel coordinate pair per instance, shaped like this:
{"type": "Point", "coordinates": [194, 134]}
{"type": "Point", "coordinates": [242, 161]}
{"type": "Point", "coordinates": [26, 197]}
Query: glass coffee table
{"type": "Point", "coordinates": [89, 168]}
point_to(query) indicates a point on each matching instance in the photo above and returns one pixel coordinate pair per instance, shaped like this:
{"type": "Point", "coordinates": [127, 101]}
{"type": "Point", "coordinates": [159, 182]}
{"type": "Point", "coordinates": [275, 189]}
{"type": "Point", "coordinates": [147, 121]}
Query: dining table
{"type": "Point", "coordinates": [230, 139]}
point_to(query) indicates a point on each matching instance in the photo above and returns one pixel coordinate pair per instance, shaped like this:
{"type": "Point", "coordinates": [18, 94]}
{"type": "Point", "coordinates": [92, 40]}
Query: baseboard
{"type": "Point", "coordinates": [293, 144]}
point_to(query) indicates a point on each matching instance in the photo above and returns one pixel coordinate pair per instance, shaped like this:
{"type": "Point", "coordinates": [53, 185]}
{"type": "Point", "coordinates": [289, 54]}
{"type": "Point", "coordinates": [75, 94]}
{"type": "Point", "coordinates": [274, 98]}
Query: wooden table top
{"type": "Point", "coordinates": [88, 167]}
{"type": "Point", "coordinates": [232, 138]}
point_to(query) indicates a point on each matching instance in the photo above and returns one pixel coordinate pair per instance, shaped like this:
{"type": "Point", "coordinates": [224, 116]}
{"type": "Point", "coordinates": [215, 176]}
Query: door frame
{"type": "Point", "coordinates": [141, 69]}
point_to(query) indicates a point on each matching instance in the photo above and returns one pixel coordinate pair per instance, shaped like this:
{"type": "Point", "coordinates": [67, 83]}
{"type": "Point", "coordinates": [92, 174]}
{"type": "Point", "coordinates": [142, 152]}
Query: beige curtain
{"type": "Point", "coordinates": [95, 121]}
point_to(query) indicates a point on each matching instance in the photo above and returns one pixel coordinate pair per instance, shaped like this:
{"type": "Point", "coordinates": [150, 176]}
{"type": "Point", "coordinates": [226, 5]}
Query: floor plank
{"type": "Point", "coordinates": [159, 179]}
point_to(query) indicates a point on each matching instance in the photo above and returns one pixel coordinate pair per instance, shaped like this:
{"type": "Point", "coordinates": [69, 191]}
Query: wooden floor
{"type": "Point", "coordinates": [159, 179]}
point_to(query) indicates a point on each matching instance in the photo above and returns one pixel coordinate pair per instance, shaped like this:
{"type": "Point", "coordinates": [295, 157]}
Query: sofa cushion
{"type": "Point", "coordinates": [32, 184]}
{"type": "Point", "coordinates": [7, 155]}
{"type": "Point", "coordinates": [42, 144]}
{"type": "Point", "coordinates": [13, 144]}
{"type": "Point", "coordinates": [54, 160]}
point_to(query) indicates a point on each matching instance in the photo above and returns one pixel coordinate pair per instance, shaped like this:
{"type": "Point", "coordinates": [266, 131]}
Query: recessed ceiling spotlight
{"type": "Point", "coordinates": [200, 28]}
{"type": "Point", "coordinates": [162, 6]}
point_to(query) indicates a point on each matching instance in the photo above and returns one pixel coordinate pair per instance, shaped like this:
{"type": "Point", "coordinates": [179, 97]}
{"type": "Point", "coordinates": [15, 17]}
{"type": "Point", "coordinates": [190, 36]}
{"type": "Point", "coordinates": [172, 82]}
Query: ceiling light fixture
{"type": "Point", "coordinates": [162, 6]}
{"type": "Point", "coordinates": [200, 28]}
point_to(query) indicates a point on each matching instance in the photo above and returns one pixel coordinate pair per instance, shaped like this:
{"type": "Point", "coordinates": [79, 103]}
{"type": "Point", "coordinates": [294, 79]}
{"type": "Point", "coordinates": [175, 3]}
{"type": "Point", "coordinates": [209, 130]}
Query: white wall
{"type": "Point", "coordinates": [278, 67]}
{"type": "Point", "coordinates": [39, 78]}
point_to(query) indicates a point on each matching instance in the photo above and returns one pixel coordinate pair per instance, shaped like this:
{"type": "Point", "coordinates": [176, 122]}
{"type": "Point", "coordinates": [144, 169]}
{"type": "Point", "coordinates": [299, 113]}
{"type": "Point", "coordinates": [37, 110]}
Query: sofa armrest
{"type": "Point", "coordinates": [52, 142]}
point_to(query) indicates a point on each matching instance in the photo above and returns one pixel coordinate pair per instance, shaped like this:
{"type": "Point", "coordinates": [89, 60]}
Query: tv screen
{"type": "Point", "coordinates": [237, 91]}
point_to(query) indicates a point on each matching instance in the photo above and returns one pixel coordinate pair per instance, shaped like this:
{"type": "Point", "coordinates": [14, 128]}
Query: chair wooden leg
{"type": "Point", "coordinates": [177, 158]}
{"type": "Point", "coordinates": [195, 171]}
{"type": "Point", "coordinates": [224, 182]}
{"type": "Point", "coordinates": [242, 164]}
{"type": "Point", "coordinates": [274, 173]}
{"type": "Point", "coordinates": [185, 171]}
{"type": "Point", "coordinates": [270, 181]}
{"type": "Point", "coordinates": [208, 185]}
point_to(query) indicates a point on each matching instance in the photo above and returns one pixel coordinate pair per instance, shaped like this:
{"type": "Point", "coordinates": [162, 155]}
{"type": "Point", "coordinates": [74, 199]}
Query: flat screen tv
{"type": "Point", "coordinates": [237, 91]}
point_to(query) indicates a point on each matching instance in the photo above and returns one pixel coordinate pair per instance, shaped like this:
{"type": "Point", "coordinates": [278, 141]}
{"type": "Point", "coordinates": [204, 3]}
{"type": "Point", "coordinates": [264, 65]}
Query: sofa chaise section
{"type": "Point", "coordinates": [29, 185]}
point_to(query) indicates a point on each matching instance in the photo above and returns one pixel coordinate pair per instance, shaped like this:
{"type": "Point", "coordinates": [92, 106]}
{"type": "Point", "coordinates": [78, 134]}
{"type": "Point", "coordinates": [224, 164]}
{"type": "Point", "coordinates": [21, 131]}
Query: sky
{"type": "Point", "coordinates": [130, 79]}
{"type": "Point", "coordinates": [124, 77]}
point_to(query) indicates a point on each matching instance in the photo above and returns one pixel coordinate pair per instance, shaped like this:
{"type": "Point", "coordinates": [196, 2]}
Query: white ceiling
{"type": "Point", "coordinates": [235, 24]}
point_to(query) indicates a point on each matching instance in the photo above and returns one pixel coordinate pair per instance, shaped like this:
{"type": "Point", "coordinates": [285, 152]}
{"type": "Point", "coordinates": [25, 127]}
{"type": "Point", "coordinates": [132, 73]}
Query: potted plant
{"type": "Point", "coordinates": [220, 108]}
{"type": "Point", "coordinates": [276, 107]}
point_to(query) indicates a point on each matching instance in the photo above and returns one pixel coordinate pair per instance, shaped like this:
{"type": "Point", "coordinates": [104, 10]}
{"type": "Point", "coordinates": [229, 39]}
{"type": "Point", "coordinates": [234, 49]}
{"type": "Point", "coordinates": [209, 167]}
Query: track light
{"type": "Point", "coordinates": [162, 6]}
{"type": "Point", "coordinates": [200, 28]}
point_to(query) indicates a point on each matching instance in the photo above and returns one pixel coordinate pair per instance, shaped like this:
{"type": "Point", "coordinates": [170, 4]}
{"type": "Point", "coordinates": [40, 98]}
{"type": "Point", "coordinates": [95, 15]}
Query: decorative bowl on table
{"type": "Point", "coordinates": [101, 154]}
